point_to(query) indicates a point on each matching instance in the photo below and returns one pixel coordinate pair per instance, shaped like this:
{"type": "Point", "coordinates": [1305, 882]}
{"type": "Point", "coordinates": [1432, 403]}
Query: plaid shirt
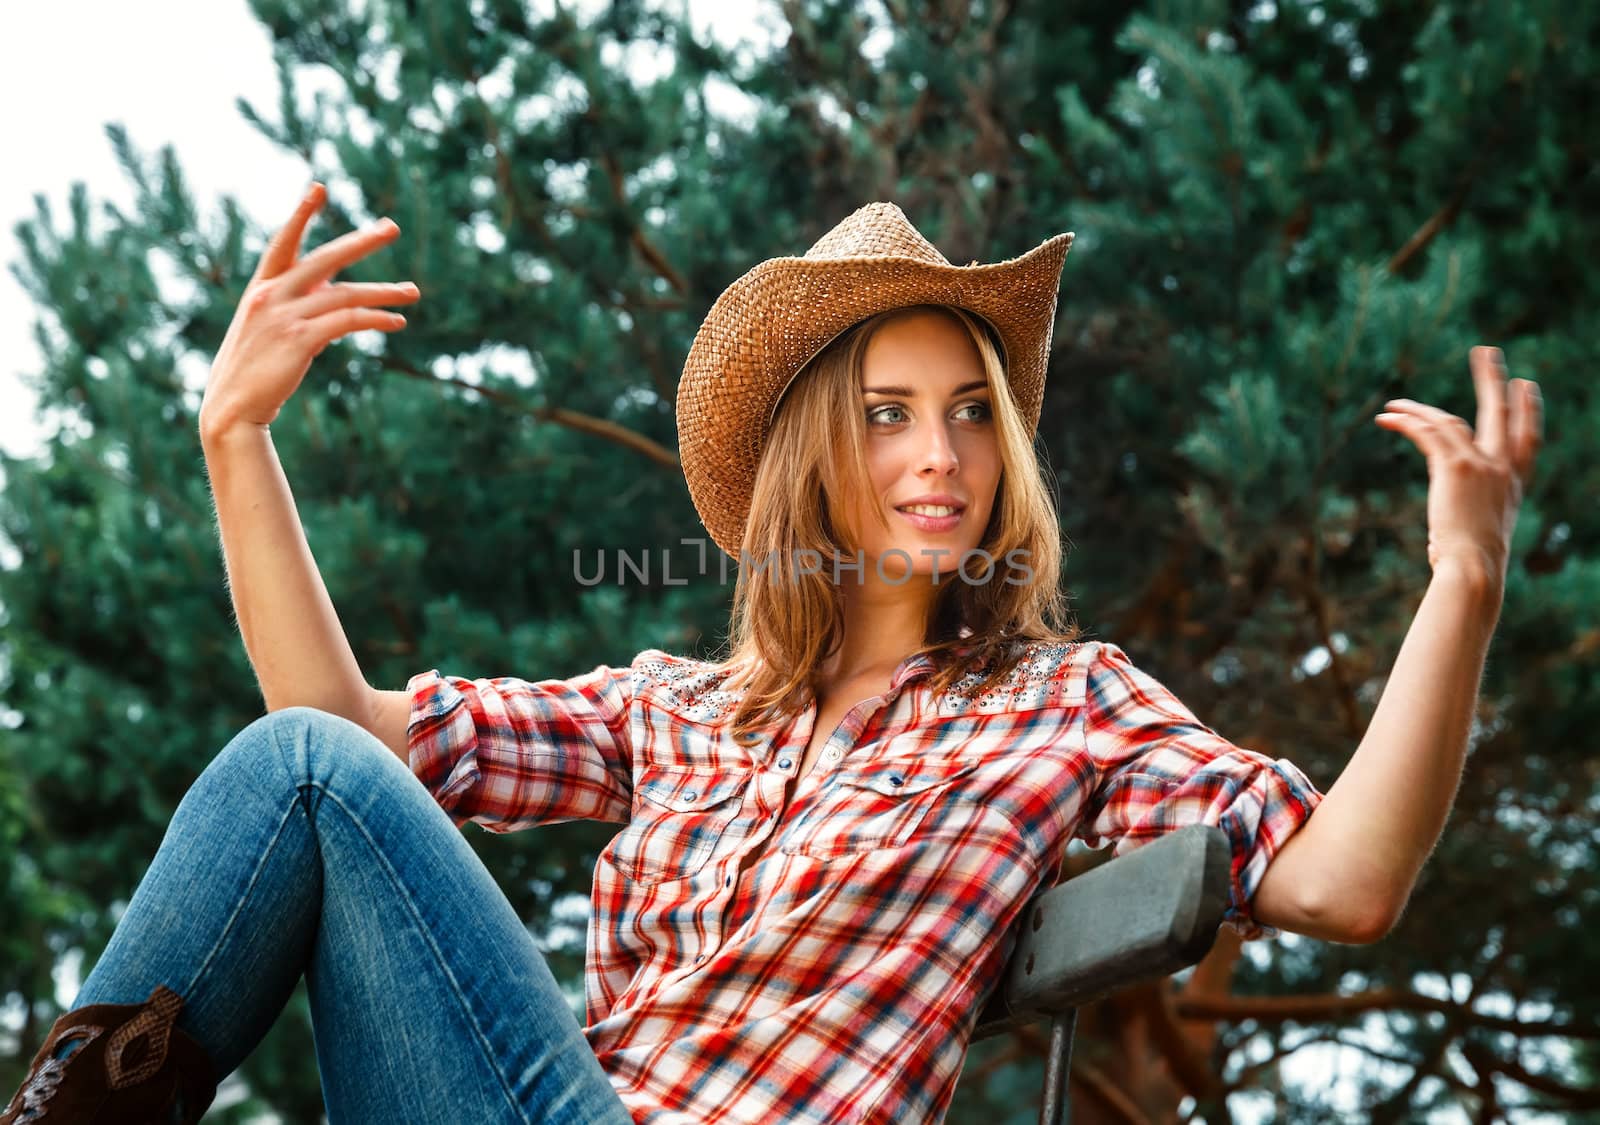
{"type": "Point", "coordinates": [838, 978]}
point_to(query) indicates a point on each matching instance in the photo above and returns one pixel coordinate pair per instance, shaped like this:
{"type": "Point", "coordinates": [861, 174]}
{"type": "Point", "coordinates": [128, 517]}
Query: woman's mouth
{"type": "Point", "coordinates": [932, 517]}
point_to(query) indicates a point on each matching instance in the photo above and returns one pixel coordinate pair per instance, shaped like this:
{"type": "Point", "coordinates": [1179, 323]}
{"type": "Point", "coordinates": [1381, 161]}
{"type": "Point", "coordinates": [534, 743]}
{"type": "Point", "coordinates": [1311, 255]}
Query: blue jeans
{"type": "Point", "coordinates": [307, 846]}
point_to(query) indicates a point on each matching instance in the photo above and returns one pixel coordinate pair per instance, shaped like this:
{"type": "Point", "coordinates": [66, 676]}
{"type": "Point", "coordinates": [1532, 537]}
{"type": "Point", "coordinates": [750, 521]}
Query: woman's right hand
{"type": "Point", "coordinates": [290, 312]}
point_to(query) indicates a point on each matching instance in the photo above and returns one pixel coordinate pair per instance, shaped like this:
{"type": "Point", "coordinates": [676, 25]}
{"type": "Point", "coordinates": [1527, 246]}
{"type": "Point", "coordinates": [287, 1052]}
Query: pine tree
{"type": "Point", "coordinates": [1285, 216]}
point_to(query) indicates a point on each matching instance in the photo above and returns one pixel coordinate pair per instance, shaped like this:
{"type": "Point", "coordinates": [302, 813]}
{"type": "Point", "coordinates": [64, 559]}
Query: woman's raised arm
{"type": "Point", "coordinates": [288, 314]}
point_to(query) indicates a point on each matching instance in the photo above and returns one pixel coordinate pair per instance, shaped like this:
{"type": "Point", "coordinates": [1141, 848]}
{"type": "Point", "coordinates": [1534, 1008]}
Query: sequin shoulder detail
{"type": "Point", "coordinates": [693, 689]}
{"type": "Point", "coordinates": [1050, 673]}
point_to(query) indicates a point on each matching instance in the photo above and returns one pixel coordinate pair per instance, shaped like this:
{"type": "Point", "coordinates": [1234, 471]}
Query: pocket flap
{"type": "Point", "coordinates": [904, 778]}
{"type": "Point", "coordinates": [686, 790]}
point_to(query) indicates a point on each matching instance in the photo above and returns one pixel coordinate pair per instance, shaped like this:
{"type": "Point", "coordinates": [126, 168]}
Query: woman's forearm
{"type": "Point", "coordinates": [299, 651]}
{"type": "Point", "coordinates": [1348, 871]}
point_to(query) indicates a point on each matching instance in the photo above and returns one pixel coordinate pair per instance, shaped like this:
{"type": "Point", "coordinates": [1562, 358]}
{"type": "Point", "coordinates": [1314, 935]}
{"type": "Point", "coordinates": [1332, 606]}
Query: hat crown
{"type": "Point", "coordinates": [878, 230]}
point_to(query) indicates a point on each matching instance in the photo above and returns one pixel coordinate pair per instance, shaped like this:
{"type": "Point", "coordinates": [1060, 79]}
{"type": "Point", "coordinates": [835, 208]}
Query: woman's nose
{"type": "Point", "coordinates": [938, 451]}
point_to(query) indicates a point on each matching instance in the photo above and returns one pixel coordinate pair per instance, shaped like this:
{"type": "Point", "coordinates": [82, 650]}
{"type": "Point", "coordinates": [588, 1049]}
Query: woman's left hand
{"type": "Point", "coordinates": [1476, 480]}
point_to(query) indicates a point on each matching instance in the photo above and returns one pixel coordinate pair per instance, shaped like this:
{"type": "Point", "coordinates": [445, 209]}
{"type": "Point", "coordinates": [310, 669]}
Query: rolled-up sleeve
{"type": "Point", "coordinates": [1158, 768]}
{"type": "Point", "coordinates": [509, 754]}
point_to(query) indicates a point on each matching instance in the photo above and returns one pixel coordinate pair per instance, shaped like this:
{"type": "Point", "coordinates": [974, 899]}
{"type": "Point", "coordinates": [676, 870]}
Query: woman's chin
{"type": "Point", "coordinates": [918, 558]}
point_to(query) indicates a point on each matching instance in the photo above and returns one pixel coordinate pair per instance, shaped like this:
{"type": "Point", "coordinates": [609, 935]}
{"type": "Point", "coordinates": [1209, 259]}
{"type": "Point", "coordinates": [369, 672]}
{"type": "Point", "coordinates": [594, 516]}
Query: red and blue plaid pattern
{"type": "Point", "coordinates": [837, 977]}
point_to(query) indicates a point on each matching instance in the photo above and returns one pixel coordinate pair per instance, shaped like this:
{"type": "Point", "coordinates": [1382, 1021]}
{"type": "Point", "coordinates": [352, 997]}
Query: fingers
{"type": "Point", "coordinates": [345, 294]}
{"type": "Point", "coordinates": [1510, 419]}
{"type": "Point", "coordinates": [328, 327]}
{"type": "Point", "coordinates": [331, 257]}
{"type": "Point", "coordinates": [1489, 377]}
{"type": "Point", "coordinates": [284, 247]}
{"type": "Point", "coordinates": [1437, 432]}
{"type": "Point", "coordinates": [1527, 429]}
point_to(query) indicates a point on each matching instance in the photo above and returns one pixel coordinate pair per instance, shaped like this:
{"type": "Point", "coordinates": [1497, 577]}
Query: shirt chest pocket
{"type": "Point", "coordinates": [679, 817]}
{"type": "Point", "coordinates": [873, 806]}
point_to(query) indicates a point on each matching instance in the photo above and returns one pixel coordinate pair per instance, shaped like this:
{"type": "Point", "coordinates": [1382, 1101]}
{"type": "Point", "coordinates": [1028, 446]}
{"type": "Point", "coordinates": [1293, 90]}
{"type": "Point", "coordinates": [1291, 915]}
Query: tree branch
{"type": "Point", "coordinates": [1444, 1074]}
{"type": "Point", "coordinates": [1322, 618]}
{"type": "Point", "coordinates": [1155, 1001]}
{"type": "Point", "coordinates": [1247, 1073]}
{"type": "Point", "coordinates": [572, 419]}
{"type": "Point", "coordinates": [1485, 1061]}
{"type": "Point", "coordinates": [1091, 1078]}
{"type": "Point", "coordinates": [515, 213]}
{"type": "Point", "coordinates": [1309, 1008]}
{"type": "Point", "coordinates": [648, 250]}
{"type": "Point", "coordinates": [1451, 208]}
{"type": "Point", "coordinates": [1435, 223]}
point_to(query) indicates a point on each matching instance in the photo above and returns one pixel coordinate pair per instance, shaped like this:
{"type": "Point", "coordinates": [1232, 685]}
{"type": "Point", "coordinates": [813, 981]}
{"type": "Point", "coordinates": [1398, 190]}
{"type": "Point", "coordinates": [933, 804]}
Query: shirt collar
{"type": "Point", "coordinates": [912, 667]}
{"type": "Point", "coordinates": [919, 665]}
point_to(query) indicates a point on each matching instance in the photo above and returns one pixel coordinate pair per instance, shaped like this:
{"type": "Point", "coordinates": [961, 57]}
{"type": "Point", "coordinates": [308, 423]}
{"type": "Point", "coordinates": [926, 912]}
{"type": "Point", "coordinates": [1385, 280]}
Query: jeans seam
{"type": "Point", "coordinates": [455, 987]}
{"type": "Point", "coordinates": [255, 875]}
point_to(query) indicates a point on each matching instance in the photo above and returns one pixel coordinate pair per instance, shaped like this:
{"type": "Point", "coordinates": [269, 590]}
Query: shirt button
{"type": "Point", "coordinates": [699, 957]}
{"type": "Point", "coordinates": [785, 763]}
{"type": "Point", "coordinates": [690, 795]}
{"type": "Point", "coordinates": [831, 754]}
{"type": "Point", "coordinates": [896, 780]}
{"type": "Point", "coordinates": [728, 882]}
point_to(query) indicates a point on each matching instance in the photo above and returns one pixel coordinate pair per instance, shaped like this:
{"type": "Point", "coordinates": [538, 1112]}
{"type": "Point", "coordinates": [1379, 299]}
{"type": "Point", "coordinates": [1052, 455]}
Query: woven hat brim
{"type": "Point", "coordinates": [765, 327]}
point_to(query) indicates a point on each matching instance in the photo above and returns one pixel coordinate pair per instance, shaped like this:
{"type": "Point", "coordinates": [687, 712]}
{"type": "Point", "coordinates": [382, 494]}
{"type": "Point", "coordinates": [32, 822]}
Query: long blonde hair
{"type": "Point", "coordinates": [782, 630]}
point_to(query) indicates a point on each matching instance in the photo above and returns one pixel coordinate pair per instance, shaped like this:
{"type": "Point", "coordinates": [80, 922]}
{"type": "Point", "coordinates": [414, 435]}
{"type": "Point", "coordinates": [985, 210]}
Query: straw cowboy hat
{"type": "Point", "coordinates": [768, 325]}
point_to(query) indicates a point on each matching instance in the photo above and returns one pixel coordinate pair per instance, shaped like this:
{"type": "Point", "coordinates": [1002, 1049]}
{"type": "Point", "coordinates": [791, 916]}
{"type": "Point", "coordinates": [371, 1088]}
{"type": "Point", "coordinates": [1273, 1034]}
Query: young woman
{"type": "Point", "coordinates": [828, 834]}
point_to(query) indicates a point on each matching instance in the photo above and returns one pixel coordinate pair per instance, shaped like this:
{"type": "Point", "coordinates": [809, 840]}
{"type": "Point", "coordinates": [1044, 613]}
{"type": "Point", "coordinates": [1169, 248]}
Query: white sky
{"type": "Point", "coordinates": [170, 74]}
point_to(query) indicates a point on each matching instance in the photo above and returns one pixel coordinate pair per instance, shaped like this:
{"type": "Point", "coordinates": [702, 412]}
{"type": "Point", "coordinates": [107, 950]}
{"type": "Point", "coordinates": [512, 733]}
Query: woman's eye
{"type": "Point", "coordinates": [881, 414]}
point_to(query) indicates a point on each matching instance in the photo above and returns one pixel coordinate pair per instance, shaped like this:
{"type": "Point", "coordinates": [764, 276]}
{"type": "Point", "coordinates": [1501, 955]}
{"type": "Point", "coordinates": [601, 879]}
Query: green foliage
{"type": "Point", "coordinates": [1286, 214]}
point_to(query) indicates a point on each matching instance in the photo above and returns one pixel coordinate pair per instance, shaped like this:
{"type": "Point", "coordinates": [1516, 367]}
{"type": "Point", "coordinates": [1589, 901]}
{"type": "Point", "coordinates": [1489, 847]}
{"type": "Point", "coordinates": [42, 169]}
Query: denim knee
{"type": "Point", "coordinates": [299, 747]}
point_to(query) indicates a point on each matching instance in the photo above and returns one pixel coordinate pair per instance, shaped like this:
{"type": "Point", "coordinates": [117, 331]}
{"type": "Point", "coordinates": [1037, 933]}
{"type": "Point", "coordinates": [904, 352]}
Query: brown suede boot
{"type": "Point", "coordinates": [117, 1064]}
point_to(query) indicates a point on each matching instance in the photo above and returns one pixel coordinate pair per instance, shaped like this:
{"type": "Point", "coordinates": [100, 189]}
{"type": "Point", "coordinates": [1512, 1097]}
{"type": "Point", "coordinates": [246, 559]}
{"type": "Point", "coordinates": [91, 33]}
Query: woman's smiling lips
{"type": "Point", "coordinates": [939, 514]}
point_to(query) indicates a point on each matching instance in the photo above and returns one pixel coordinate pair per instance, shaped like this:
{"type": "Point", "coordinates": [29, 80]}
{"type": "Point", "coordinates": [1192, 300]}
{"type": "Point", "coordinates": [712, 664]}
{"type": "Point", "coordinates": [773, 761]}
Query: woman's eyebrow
{"type": "Point", "coordinates": [907, 392]}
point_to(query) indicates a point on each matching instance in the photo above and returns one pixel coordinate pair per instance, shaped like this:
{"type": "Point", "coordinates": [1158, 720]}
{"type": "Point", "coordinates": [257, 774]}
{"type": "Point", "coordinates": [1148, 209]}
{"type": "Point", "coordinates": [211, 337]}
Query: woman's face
{"type": "Point", "coordinates": [930, 434]}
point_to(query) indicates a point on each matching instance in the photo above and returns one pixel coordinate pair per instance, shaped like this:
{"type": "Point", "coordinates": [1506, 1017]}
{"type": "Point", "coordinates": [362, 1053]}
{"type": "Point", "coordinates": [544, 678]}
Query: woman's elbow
{"type": "Point", "coordinates": [1350, 917]}
{"type": "Point", "coordinates": [1353, 918]}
